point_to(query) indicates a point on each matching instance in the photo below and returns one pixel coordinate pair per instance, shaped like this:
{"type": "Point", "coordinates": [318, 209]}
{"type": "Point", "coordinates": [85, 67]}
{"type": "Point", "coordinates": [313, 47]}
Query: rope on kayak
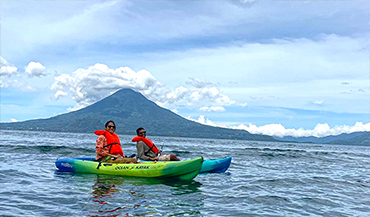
{"type": "Point", "coordinates": [102, 161]}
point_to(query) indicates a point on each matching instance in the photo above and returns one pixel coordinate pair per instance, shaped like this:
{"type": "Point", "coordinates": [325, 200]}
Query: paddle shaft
{"type": "Point", "coordinates": [161, 150]}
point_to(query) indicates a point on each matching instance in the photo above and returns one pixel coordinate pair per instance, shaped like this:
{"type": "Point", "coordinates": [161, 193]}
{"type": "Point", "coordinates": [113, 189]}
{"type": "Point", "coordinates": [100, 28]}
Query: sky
{"type": "Point", "coordinates": [280, 68]}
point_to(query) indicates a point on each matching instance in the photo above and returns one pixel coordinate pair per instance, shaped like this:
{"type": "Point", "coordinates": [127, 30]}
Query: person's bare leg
{"type": "Point", "coordinates": [174, 157]}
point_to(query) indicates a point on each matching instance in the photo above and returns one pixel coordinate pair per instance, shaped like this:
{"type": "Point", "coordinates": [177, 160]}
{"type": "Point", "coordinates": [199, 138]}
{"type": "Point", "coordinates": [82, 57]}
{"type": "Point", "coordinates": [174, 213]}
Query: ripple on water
{"type": "Point", "coordinates": [264, 179]}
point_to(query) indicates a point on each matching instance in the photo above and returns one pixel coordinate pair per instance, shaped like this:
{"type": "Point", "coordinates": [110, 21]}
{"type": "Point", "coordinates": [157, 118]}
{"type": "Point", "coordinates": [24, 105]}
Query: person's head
{"type": "Point", "coordinates": [141, 132]}
{"type": "Point", "coordinates": [110, 126]}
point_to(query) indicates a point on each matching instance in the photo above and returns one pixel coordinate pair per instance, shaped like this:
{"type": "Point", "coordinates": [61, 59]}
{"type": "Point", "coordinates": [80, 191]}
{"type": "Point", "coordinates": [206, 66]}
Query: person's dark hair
{"type": "Point", "coordinates": [138, 129]}
{"type": "Point", "coordinates": [106, 124]}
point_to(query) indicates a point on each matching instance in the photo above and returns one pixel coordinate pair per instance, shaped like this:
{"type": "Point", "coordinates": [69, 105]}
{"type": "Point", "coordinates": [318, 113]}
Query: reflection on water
{"type": "Point", "coordinates": [105, 188]}
{"type": "Point", "coordinates": [181, 188]}
{"type": "Point", "coordinates": [126, 196]}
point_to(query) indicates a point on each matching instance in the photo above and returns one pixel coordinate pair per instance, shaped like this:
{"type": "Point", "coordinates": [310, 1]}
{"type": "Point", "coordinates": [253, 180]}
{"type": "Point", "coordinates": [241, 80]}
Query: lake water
{"type": "Point", "coordinates": [264, 179]}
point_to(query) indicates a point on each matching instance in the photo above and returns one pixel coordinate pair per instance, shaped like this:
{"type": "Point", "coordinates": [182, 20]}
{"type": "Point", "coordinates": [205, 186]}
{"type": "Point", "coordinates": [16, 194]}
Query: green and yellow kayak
{"type": "Point", "coordinates": [181, 170]}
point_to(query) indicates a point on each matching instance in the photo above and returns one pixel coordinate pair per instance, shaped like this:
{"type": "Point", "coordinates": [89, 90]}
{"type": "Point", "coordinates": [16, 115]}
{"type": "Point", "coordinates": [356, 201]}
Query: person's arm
{"type": "Point", "coordinates": [101, 141]}
{"type": "Point", "coordinates": [141, 151]}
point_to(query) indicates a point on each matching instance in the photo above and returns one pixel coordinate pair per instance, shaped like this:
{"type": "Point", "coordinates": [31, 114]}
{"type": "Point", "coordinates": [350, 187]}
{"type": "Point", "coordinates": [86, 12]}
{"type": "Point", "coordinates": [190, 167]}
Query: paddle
{"type": "Point", "coordinates": [161, 150]}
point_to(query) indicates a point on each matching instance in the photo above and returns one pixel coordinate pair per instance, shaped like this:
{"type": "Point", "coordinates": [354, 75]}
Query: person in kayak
{"type": "Point", "coordinates": [147, 150]}
{"type": "Point", "coordinates": [108, 143]}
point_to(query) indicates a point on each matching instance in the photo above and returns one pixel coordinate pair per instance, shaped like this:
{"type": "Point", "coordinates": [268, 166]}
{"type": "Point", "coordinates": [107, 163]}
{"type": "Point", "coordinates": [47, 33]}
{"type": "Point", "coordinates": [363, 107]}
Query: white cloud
{"type": "Point", "coordinates": [278, 130]}
{"type": "Point", "coordinates": [87, 86]}
{"type": "Point", "coordinates": [197, 82]}
{"type": "Point", "coordinates": [321, 130]}
{"type": "Point", "coordinates": [361, 90]}
{"type": "Point", "coordinates": [16, 83]}
{"type": "Point", "coordinates": [35, 69]}
{"type": "Point", "coordinates": [160, 104]}
{"type": "Point", "coordinates": [205, 121]}
{"type": "Point", "coordinates": [248, 1]}
{"type": "Point", "coordinates": [177, 94]}
{"type": "Point", "coordinates": [75, 108]}
{"type": "Point", "coordinates": [13, 120]}
{"type": "Point", "coordinates": [6, 68]}
{"type": "Point", "coordinates": [60, 94]}
{"type": "Point", "coordinates": [318, 102]}
{"type": "Point", "coordinates": [211, 95]}
{"type": "Point", "coordinates": [213, 109]}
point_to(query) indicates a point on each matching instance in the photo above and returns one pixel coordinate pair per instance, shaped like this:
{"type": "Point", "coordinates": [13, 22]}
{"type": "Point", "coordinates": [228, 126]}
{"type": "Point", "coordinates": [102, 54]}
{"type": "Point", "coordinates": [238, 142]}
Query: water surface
{"type": "Point", "coordinates": [265, 179]}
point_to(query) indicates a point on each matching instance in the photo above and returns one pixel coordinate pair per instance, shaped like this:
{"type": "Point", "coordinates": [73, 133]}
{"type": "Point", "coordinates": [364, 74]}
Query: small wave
{"type": "Point", "coordinates": [355, 155]}
{"type": "Point", "coordinates": [283, 150]}
{"type": "Point", "coordinates": [10, 175]}
{"type": "Point", "coordinates": [181, 152]}
{"type": "Point", "coordinates": [45, 149]}
{"type": "Point", "coordinates": [296, 153]}
{"type": "Point", "coordinates": [253, 149]}
{"type": "Point", "coordinates": [320, 201]}
{"type": "Point", "coordinates": [279, 181]}
{"type": "Point", "coordinates": [270, 199]}
{"type": "Point", "coordinates": [275, 150]}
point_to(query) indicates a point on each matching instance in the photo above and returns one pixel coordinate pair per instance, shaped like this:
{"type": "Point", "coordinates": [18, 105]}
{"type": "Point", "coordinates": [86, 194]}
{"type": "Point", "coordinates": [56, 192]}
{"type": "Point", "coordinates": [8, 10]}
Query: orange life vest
{"type": "Point", "coordinates": [112, 142]}
{"type": "Point", "coordinates": [148, 142]}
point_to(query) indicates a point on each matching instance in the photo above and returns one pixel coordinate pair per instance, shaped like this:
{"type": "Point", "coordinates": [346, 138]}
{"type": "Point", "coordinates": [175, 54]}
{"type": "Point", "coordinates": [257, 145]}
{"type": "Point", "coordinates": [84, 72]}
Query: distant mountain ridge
{"type": "Point", "coordinates": [356, 138]}
{"type": "Point", "coordinates": [130, 110]}
{"type": "Point", "coordinates": [362, 139]}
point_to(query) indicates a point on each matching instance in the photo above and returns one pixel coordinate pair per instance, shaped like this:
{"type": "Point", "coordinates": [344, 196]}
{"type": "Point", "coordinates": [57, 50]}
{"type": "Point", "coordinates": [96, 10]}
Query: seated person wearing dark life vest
{"type": "Point", "coordinates": [147, 150]}
{"type": "Point", "coordinates": [108, 143]}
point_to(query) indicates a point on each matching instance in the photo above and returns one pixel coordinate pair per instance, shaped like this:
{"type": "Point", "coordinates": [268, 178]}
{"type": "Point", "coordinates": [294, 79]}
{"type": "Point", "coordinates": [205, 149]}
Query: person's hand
{"type": "Point", "coordinates": [117, 156]}
{"type": "Point", "coordinates": [160, 151]}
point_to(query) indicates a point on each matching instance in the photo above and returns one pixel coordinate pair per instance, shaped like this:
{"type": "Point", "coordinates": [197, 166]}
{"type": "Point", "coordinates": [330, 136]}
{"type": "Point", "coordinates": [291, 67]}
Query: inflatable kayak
{"type": "Point", "coordinates": [216, 165]}
{"type": "Point", "coordinates": [181, 170]}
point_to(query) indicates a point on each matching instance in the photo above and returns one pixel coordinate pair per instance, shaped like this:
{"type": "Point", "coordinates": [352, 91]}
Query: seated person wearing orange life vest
{"type": "Point", "coordinates": [146, 150]}
{"type": "Point", "coordinates": [108, 143]}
